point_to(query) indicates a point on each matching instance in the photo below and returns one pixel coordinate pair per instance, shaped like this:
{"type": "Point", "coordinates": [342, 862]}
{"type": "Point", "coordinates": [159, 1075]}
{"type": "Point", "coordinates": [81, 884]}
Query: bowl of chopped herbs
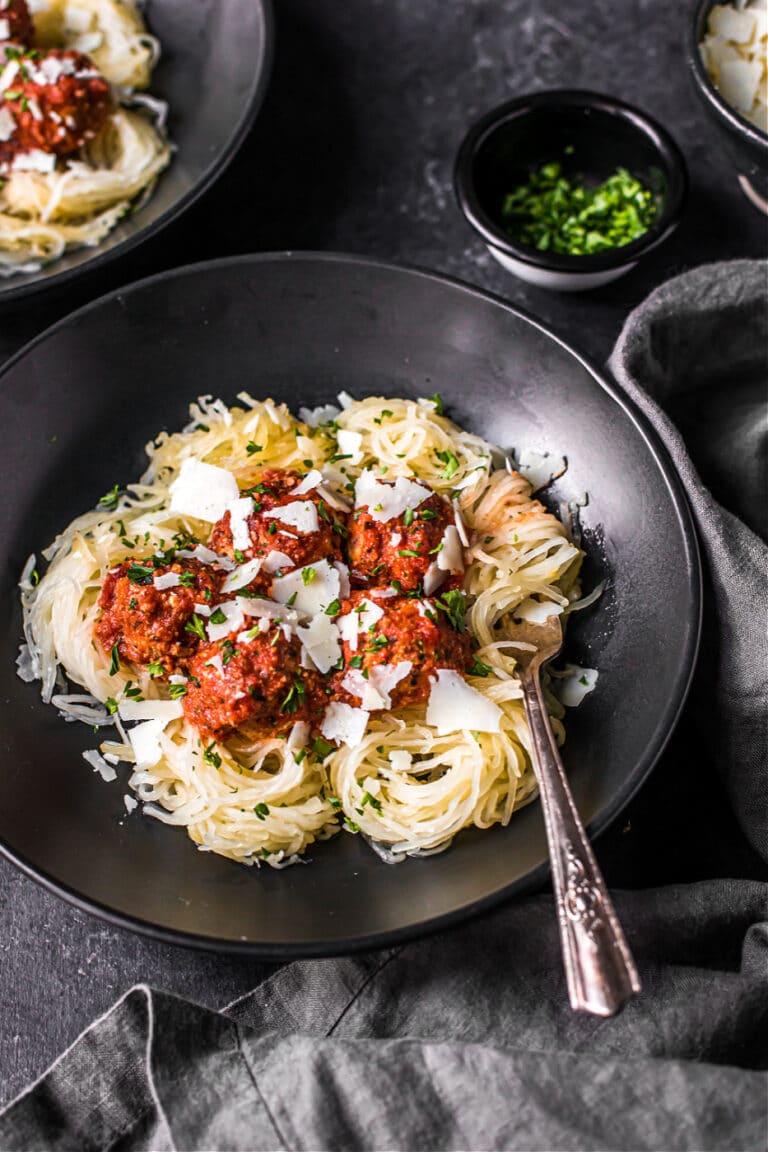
{"type": "Point", "coordinates": [569, 189]}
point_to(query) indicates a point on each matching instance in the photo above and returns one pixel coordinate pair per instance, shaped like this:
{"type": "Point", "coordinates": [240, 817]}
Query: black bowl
{"type": "Point", "coordinates": [746, 145]}
{"type": "Point", "coordinates": [501, 149]}
{"type": "Point", "coordinates": [213, 73]}
{"type": "Point", "coordinates": [76, 408]}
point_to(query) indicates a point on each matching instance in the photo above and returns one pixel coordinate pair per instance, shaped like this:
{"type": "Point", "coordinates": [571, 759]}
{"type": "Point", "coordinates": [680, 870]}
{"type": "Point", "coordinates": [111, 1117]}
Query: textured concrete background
{"type": "Point", "coordinates": [353, 152]}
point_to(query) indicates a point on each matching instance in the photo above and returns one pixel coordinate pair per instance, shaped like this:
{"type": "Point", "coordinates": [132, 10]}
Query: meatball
{"type": "Point", "coordinates": [58, 101]}
{"type": "Point", "coordinates": [15, 22]}
{"type": "Point", "coordinates": [274, 489]}
{"type": "Point", "coordinates": [149, 624]}
{"type": "Point", "coordinates": [399, 551]}
{"type": "Point", "coordinates": [257, 684]}
{"type": "Point", "coordinates": [422, 632]}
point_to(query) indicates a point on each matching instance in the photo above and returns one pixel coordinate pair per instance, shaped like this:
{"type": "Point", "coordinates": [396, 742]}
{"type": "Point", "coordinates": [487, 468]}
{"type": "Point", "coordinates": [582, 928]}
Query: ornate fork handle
{"type": "Point", "coordinates": [599, 968]}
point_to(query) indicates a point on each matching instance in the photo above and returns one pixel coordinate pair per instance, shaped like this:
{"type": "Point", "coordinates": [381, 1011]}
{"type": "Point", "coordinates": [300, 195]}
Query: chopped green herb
{"type": "Point", "coordinates": [195, 625]}
{"type": "Point", "coordinates": [307, 575]}
{"type": "Point", "coordinates": [177, 691]}
{"type": "Point", "coordinates": [408, 552]}
{"type": "Point", "coordinates": [111, 498]}
{"type": "Point", "coordinates": [374, 803]}
{"type": "Point", "coordinates": [155, 668]}
{"type": "Point", "coordinates": [321, 748]}
{"type": "Point", "coordinates": [427, 514]}
{"type": "Point", "coordinates": [350, 825]}
{"type": "Point", "coordinates": [477, 668]}
{"type": "Point", "coordinates": [140, 573]}
{"type": "Point", "coordinates": [291, 600]}
{"type": "Point", "coordinates": [333, 608]}
{"type": "Point", "coordinates": [252, 448]}
{"type": "Point", "coordinates": [451, 463]}
{"type": "Point", "coordinates": [114, 664]}
{"type": "Point", "coordinates": [111, 705]}
{"type": "Point", "coordinates": [437, 400]}
{"type": "Point", "coordinates": [211, 757]}
{"type": "Point", "coordinates": [218, 617]}
{"type": "Point", "coordinates": [355, 661]}
{"type": "Point", "coordinates": [454, 605]}
{"type": "Point", "coordinates": [261, 810]}
{"type": "Point", "coordinates": [239, 556]}
{"type": "Point", "coordinates": [187, 579]}
{"type": "Point", "coordinates": [408, 517]}
{"type": "Point", "coordinates": [557, 213]}
{"type": "Point", "coordinates": [583, 680]}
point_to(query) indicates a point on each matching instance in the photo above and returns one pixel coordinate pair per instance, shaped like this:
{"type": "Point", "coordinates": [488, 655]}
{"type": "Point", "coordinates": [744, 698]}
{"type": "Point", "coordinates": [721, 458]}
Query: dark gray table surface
{"type": "Point", "coordinates": [353, 152]}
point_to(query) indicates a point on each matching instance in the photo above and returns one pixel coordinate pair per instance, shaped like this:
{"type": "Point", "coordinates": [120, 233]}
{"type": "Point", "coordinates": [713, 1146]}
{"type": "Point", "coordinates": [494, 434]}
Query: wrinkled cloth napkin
{"type": "Point", "coordinates": [465, 1040]}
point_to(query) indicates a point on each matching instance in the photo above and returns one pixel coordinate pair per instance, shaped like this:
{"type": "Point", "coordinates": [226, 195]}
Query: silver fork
{"type": "Point", "coordinates": [599, 968]}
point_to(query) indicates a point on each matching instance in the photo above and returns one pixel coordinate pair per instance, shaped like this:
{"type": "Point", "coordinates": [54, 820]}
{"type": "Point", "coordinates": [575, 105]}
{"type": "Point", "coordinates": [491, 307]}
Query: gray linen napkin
{"type": "Point", "coordinates": [465, 1041]}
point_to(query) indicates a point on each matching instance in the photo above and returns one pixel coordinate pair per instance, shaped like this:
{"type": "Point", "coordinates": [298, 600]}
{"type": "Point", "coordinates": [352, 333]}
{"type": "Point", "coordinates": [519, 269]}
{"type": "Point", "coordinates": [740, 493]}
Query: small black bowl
{"type": "Point", "coordinates": [601, 134]}
{"type": "Point", "coordinates": [746, 145]}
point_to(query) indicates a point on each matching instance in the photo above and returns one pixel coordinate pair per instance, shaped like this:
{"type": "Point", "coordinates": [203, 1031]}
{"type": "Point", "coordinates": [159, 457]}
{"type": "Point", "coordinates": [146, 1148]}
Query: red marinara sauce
{"type": "Point", "coordinates": [409, 629]}
{"type": "Point", "coordinates": [256, 684]}
{"type": "Point", "coordinates": [274, 488]}
{"type": "Point", "coordinates": [16, 22]}
{"type": "Point", "coordinates": [400, 549]}
{"type": "Point", "coordinates": [149, 624]}
{"type": "Point", "coordinates": [57, 99]}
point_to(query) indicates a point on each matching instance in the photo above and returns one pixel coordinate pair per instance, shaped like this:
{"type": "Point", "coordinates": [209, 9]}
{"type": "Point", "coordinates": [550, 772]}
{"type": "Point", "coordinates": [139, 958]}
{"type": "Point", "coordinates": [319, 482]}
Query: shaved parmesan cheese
{"type": "Point", "coordinates": [343, 572]}
{"type": "Point", "coordinates": [234, 619]}
{"type": "Point", "coordinates": [300, 514]}
{"type": "Point", "coordinates": [266, 609]}
{"type": "Point", "coordinates": [177, 678]}
{"type": "Point", "coordinates": [374, 691]}
{"type": "Point", "coordinates": [334, 499]}
{"type": "Point", "coordinates": [738, 82]}
{"type": "Point", "coordinates": [456, 706]}
{"type": "Point", "coordinates": [384, 501]}
{"type": "Point", "coordinates": [395, 538]}
{"type": "Point", "coordinates": [321, 639]}
{"type": "Point", "coordinates": [344, 724]}
{"type": "Point", "coordinates": [130, 803]}
{"type": "Point", "coordinates": [5, 30]}
{"type": "Point", "coordinates": [345, 399]}
{"type": "Point", "coordinates": [450, 558]}
{"type": "Point", "coordinates": [309, 483]}
{"type": "Point", "coordinates": [145, 741]}
{"type": "Point", "coordinates": [216, 663]}
{"type": "Point", "coordinates": [353, 623]}
{"type": "Point", "coordinates": [239, 511]}
{"type": "Point", "coordinates": [433, 578]}
{"type": "Point", "coordinates": [8, 74]}
{"type": "Point", "coordinates": [100, 765]}
{"type": "Point", "coordinates": [540, 468]}
{"type": "Point", "coordinates": [241, 576]}
{"type": "Point", "coordinates": [320, 415]}
{"type": "Point", "coordinates": [400, 760]}
{"type": "Point", "coordinates": [203, 491]}
{"type": "Point", "coordinates": [7, 123]}
{"type": "Point", "coordinates": [382, 593]}
{"type": "Point", "coordinates": [575, 685]}
{"type": "Point", "coordinates": [310, 598]}
{"type": "Point", "coordinates": [34, 161]}
{"type": "Point", "coordinates": [205, 556]}
{"type": "Point", "coordinates": [537, 611]}
{"type": "Point", "coordinates": [167, 580]}
{"type": "Point", "coordinates": [298, 736]}
{"type": "Point", "coordinates": [274, 561]}
{"type": "Point", "coordinates": [203, 609]}
{"type": "Point", "coordinates": [349, 444]}
{"type": "Point", "coordinates": [460, 526]}
{"type": "Point", "coordinates": [160, 710]}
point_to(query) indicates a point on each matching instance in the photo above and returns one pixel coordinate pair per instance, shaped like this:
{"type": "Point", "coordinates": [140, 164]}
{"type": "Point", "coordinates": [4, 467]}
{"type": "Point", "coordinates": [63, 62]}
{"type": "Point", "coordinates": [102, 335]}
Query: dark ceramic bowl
{"type": "Point", "coordinates": [746, 145]}
{"type": "Point", "coordinates": [213, 73]}
{"type": "Point", "coordinates": [501, 149]}
{"type": "Point", "coordinates": [300, 328]}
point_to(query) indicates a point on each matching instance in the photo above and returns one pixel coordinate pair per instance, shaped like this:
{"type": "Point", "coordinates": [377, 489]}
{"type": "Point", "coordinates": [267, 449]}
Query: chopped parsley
{"type": "Point", "coordinates": [307, 575]}
{"type": "Point", "coordinates": [322, 748]}
{"type": "Point", "coordinates": [218, 617]}
{"type": "Point", "coordinates": [186, 579]}
{"type": "Point", "coordinates": [252, 448]}
{"type": "Point", "coordinates": [212, 757]}
{"type": "Point", "coordinates": [177, 691]}
{"type": "Point", "coordinates": [195, 626]}
{"type": "Point", "coordinates": [111, 705]}
{"type": "Point", "coordinates": [140, 573]}
{"type": "Point", "coordinates": [477, 668]}
{"type": "Point", "coordinates": [110, 499]}
{"type": "Point", "coordinates": [333, 608]}
{"type": "Point", "coordinates": [114, 664]}
{"type": "Point", "coordinates": [261, 810]}
{"type": "Point", "coordinates": [454, 605]}
{"type": "Point", "coordinates": [451, 463]}
{"type": "Point", "coordinates": [155, 669]}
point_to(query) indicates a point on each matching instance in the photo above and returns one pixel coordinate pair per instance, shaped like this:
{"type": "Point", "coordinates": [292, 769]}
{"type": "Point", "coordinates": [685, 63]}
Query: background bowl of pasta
{"type": "Point", "coordinates": [300, 330]}
{"type": "Point", "coordinates": [115, 116]}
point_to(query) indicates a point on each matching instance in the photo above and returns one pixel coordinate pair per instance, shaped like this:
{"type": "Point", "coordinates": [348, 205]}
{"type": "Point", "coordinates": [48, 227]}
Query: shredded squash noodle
{"type": "Point", "coordinates": [79, 201]}
{"type": "Point", "coordinates": [408, 786]}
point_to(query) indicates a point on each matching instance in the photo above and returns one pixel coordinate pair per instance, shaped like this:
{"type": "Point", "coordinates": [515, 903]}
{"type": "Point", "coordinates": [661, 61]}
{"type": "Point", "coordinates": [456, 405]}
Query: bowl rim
{"type": "Point", "coordinates": [665, 726]}
{"type": "Point", "coordinates": [667, 150]}
{"type": "Point", "coordinates": [705, 85]}
{"type": "Point", "coordinates": [13, 290]}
